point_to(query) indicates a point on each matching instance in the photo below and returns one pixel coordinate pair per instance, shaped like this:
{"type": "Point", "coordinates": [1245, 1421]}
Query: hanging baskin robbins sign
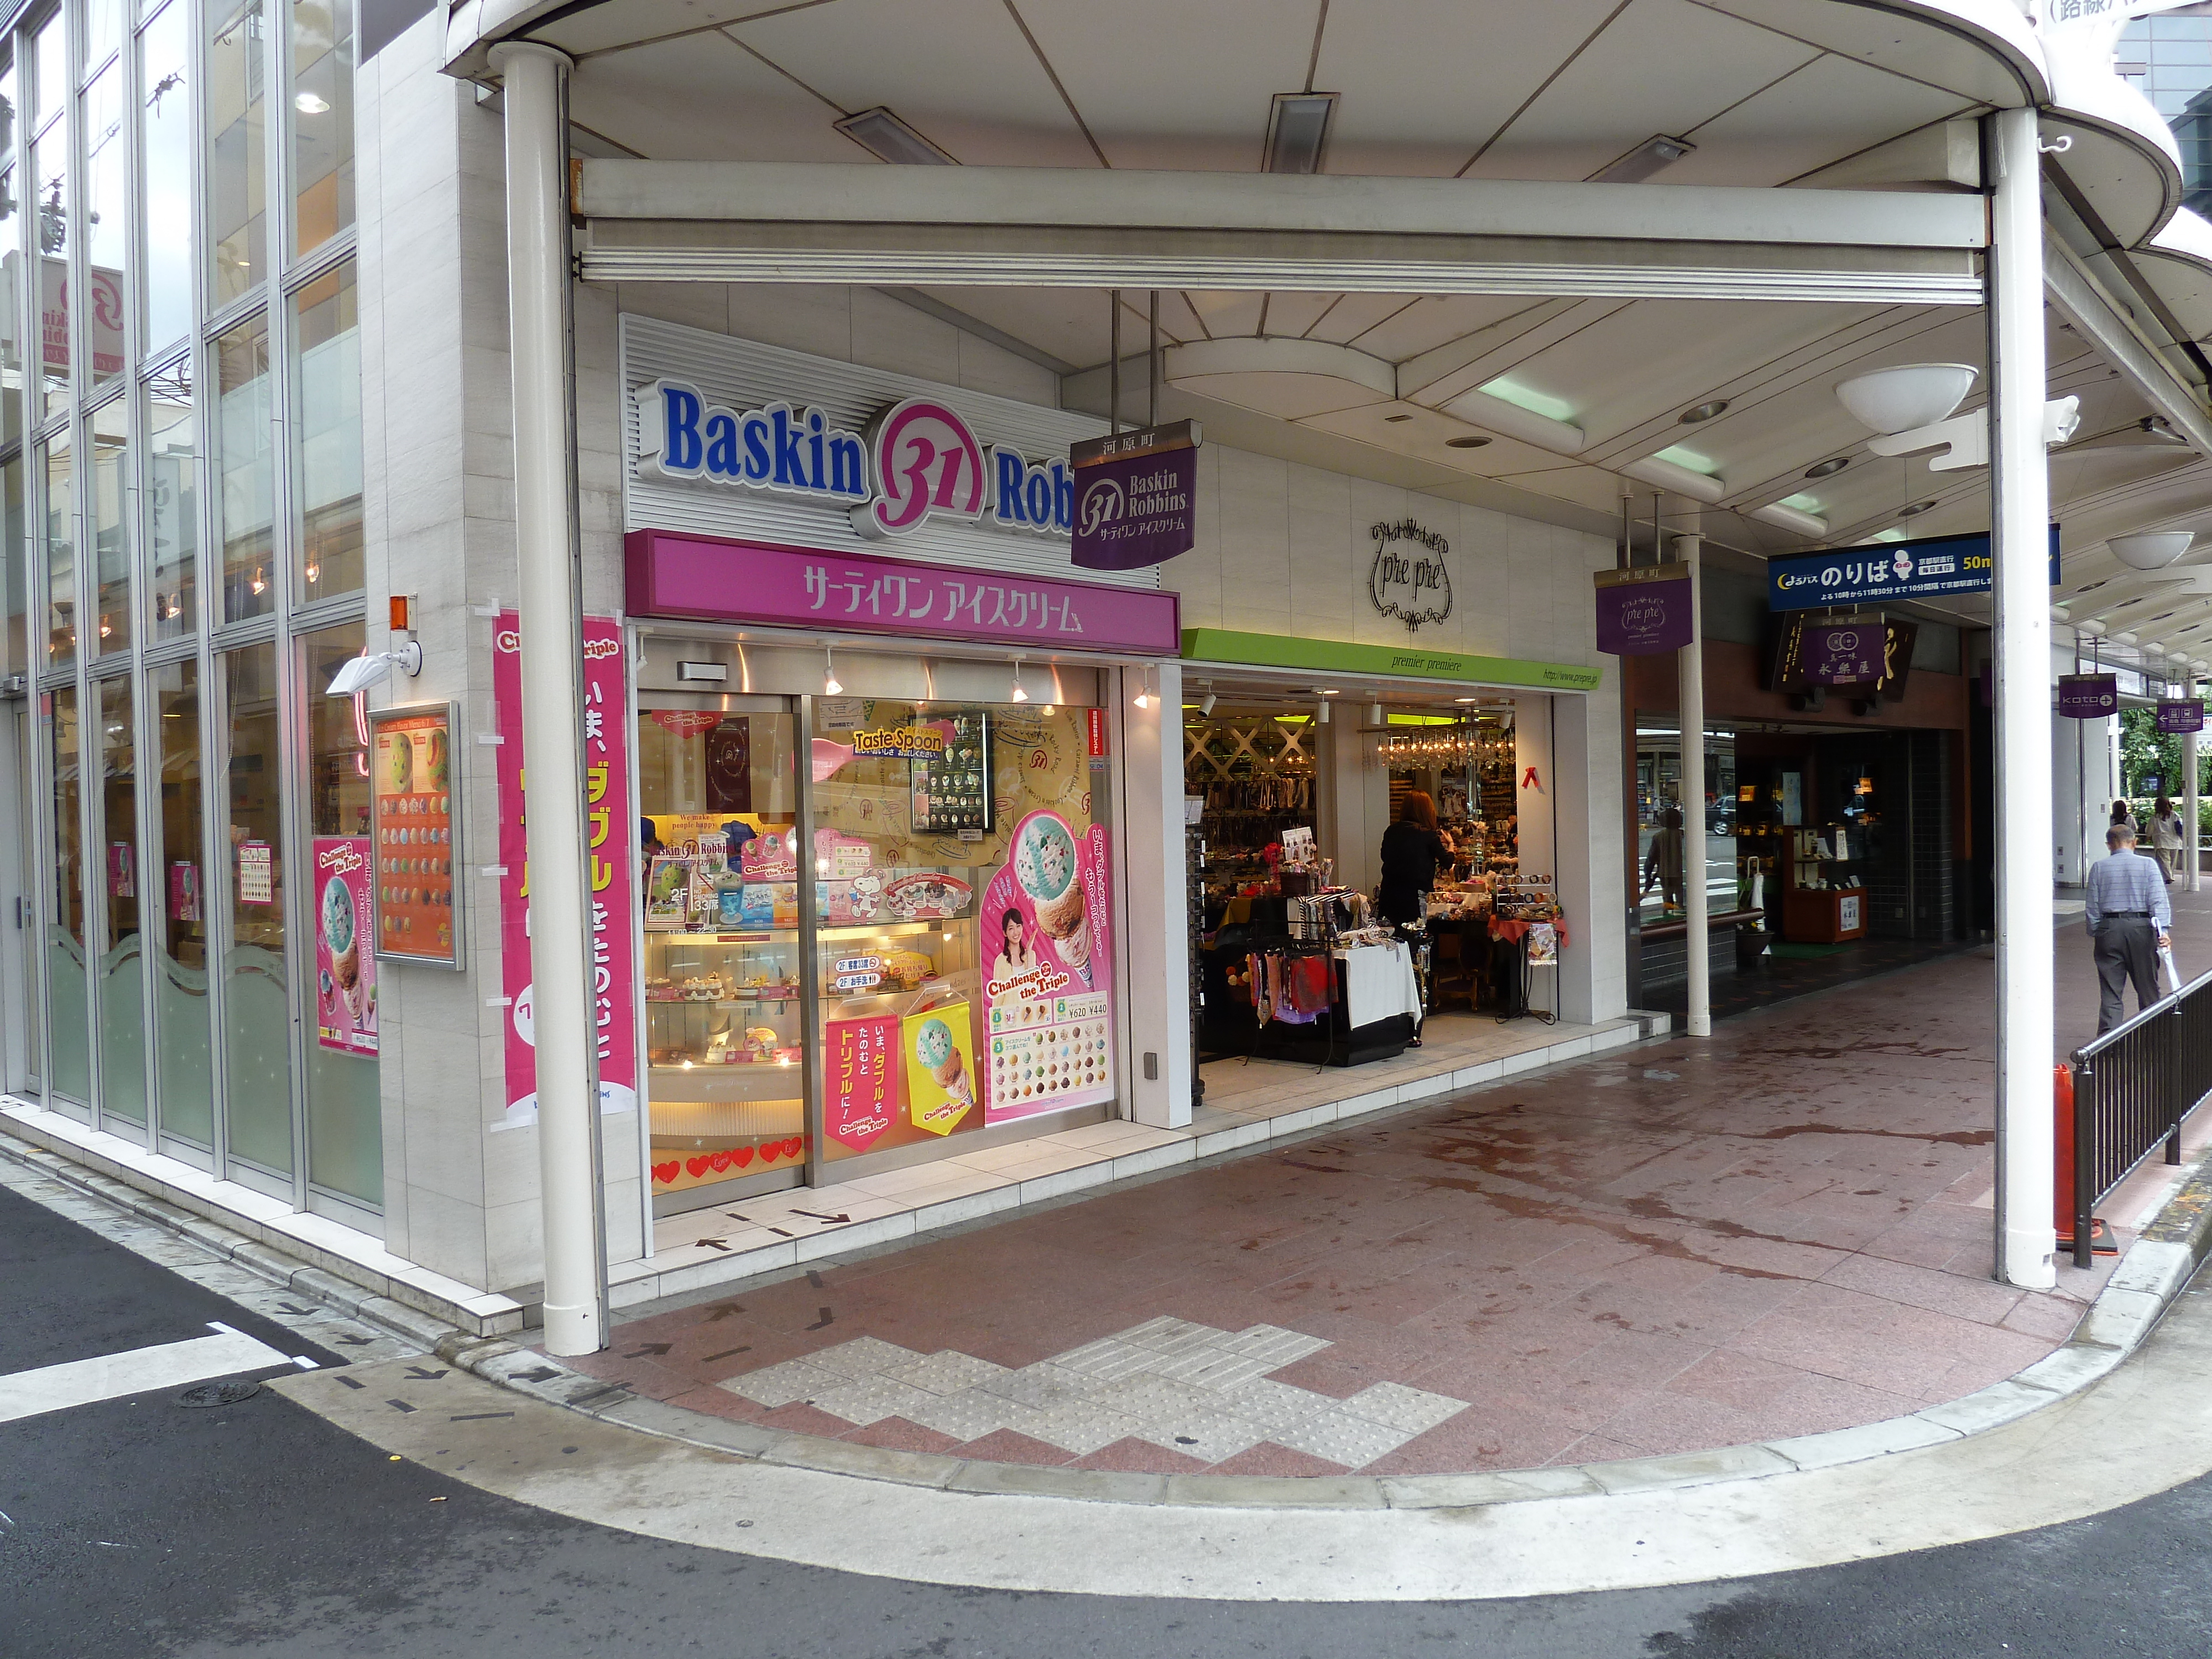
{"type": "Point", "coordinates": [1136, 494]}
{"type": "Point", "coordinates": [733, 438]}
{"type": "Point", "coordinates": [1643, 610]}
{"type": "Point", "coordinates": [1411, 584]}
{"type": "Point", "coordinates": [1933, 568]}
{"type": "Point", "coordinates": [2088, 697]}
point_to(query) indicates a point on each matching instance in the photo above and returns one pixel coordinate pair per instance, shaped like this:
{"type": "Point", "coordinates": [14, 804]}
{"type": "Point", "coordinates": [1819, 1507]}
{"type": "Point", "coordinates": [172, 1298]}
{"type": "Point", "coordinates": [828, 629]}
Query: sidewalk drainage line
{"type": "Point", "coordinates": [2146, 1282]}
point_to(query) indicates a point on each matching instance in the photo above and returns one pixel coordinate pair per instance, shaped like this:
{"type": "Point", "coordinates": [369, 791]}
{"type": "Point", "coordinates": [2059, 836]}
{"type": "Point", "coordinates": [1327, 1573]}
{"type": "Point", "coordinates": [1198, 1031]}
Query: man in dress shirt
{"type": "Point", "coordinates": [2131, 921]}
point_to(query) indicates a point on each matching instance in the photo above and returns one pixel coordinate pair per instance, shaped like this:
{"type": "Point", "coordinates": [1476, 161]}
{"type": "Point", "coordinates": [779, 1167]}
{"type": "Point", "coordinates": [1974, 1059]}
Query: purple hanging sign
{"type": "Point", "coordinates": [1645, 610]}
{"type": "Point", "coordinates": [1848, 653]}
{"type": "Point", "coordinates": [1136, 497]}
{"type": "Point", "coordinates": [2088, 697]}
{"type": "Point", "coordinates": [2182, 717]}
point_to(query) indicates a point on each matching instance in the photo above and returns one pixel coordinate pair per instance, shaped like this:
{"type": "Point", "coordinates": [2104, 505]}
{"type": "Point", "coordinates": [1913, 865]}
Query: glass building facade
{"type": "Point", "coordinates": [2169, 57]}
{"type": "Point", "coordinates": [180, 517]}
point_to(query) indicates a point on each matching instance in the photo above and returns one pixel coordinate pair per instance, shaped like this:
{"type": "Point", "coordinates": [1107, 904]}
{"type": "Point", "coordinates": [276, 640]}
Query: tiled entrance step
{"type": "Point", "coordinates": [1248, 1104]}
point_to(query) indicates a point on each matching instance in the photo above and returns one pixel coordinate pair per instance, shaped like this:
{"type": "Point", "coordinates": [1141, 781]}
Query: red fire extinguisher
{"type": "Point", "coordinates": [2101, 1242]}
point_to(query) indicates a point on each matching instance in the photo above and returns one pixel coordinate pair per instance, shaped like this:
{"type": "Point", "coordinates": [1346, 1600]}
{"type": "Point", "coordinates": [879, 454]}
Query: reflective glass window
{"type": "Point", "coordinates": [51, 202]}
{"type": "Point", "coordinates": [322, 120]}
{"type": "Point", "coordinates": [103, 30]}
{"type": "Point", "coordinates": [176, 873]}
{"type": "Point", "coordinates": [59, 537]}
{"type": "Point", "coordinates": [50, 61]}
{"type": "Point", "coordinates": [107, 495]}
{"type": "Point", "coordinates": [345, 1114]}
{"type": "Point", "coordinates": [172, 494]}
{"type": "Point", "coordinates": [243, 451]}
{"type": "Point", "coordinates": [166, 198]}
{"type": "Point", "coordinates": [327, 428]}
{"type": "Point", "coordinates": [122, 955]}
{"type": "Point", "coordinates": [67, 982]}
{"type": "Point", "coordinates": [108, 222]}
{"type": "Point", "coordinates": [14, 559]}
{"type": "Point", "coordinates": [256, 1017]}
{"type": "Point", "coordinates": [237, 183]}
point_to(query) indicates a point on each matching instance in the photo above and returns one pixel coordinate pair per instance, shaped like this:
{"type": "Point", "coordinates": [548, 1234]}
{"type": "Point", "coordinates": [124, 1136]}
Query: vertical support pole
{"type": "Point", "coordinates": [2019, 517]}
{"type": "Point", "coordinates": [1152, 364]}
{"type": "Point", "coordinates": [550, 612]}
{"type": "Point", "coordinates": [1631, 880]}
{"type": "Point", "coordinates": [2192, 860]}
{"type": "Point", "coordinates": [1691, 661]}
{"type": "Point", "coordinates": [1113, 364]}
{"type": "Point", "coordinates": [1157, 942]}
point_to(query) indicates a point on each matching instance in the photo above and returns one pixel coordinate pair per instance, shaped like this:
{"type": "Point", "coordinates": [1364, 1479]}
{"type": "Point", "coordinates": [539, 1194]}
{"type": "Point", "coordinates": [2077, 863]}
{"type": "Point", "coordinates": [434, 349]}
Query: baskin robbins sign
{"type": "Point", "coordinates": [916, 460]}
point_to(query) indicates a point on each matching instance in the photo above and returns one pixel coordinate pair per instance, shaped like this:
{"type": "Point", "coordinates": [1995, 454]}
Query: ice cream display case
{"type": "Point", "coordinates": [725, 1055]}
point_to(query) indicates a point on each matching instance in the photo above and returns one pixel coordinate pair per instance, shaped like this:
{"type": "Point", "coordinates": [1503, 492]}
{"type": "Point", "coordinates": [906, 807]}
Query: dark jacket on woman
{"type": "Point", "coordinates": [1411, 857]}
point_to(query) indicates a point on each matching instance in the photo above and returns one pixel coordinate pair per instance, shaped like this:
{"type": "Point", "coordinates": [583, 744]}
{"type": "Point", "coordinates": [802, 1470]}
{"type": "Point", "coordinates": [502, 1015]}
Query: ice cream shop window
{"type": "Point", "coordinates": [963, 914]}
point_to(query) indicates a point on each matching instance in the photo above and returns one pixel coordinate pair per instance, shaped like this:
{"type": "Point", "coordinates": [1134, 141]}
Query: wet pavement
{"type": "Point", "coordinates": [1782, 1229]}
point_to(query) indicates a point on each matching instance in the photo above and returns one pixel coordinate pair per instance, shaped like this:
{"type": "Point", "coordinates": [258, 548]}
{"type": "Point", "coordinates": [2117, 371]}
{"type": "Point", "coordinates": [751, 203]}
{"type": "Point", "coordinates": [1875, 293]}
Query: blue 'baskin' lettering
{"type": "Point", "coordinates": [789, 451]}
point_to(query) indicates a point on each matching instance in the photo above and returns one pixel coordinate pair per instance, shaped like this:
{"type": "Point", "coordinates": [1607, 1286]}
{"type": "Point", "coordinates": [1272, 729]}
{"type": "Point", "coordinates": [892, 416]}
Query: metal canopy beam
{"type": "Point", "coordinates": [996, 227]}
{"type": "Point", "coordinates": [2077, 297]}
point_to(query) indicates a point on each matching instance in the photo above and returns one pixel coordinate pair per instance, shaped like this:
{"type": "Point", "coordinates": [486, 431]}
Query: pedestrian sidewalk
{"type": "Point", "coordinates": [1780, 1230]}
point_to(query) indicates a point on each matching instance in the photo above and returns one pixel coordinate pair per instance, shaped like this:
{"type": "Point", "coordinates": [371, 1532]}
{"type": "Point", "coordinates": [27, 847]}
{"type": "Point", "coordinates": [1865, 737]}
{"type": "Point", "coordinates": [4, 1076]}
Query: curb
{"type": "Point", "coordinates": [2155, 1271]}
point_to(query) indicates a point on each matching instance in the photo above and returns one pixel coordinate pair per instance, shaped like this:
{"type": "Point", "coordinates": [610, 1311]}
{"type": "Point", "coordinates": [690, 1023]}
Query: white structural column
{"type": "Point", "coordinates": [2193, 858]}
{"type": "Point", "coordinates": [2020, 602]}
{"type": "Point", "coordinates": [1690, 662]}
{"type": "Point", "coordinates": [551, 617]}
{"type": "Point", "coordinates": [1157, 944]}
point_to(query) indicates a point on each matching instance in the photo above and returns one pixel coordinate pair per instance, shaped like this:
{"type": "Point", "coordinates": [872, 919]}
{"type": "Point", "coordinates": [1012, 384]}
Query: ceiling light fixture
{"type": "Point", "coordinates": [1144, 697]}
{"type": "Point", "coordinates": [1321, 713]}
{"type": "Point", "coordinates": [1829, 468]}
{"type": "Point", "coordinates": [831, 687]}
{"type": "Point", "coordinates": [1649, 157]}
{"type": "Point", "coordinates": [1205, 703]}
{"type": "Point", "coordinates": [1466, 443]}
{"type": "Point", "coordinates": [1704, 411]}
{"type": "Point", "coordinates": [2153, 549]}
{"type": "Point", "coordinates": [1298, 132]}
{"type": "Point", "coordinates": [1021, 692]}
{"type": "Point", "coordinates": [1394, 420]}
{"type": "Point", "coordinates": [887, 138]}
{"type": "Point", "coordinates": [1915, 510]}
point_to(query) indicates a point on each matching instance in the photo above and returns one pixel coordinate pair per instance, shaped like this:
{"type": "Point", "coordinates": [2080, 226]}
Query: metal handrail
{"type": "Point", "coordinates": [2133, 1088]}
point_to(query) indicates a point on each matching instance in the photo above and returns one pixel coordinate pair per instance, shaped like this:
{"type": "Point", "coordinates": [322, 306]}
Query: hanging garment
{"type": "Point", "coordinates": [1309, 985]}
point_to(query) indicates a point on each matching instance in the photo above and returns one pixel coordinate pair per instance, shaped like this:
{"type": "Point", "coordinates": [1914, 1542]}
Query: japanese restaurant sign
{"type": "Point", "coordinates": [715, 579]}
{"type": "Point", "coordinates": [1645, 610]}
{"type": "Point", "coordinates": [1136, 497]}
{"type": "Point", "coordinates": [613, 854]}
{"type": "Point", "coordinates": [411, 774]}
{"type": "Point", "coordinates": [1844, 655]}
{"type": "Point", "coordinates": [2088, 697]}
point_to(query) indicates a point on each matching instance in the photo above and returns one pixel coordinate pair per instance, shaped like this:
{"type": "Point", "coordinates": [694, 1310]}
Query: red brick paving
{"type": "Point", "coordinates": [1782, 1229]}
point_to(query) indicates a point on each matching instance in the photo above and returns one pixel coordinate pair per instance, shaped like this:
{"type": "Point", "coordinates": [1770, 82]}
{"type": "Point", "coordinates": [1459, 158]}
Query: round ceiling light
{"type": "Point", "coordinates": [1894, 400]}
{"type": "Point", "coordinates": [1829, 468]}
{"type": "Point", "coordinates": [1915, 510]}
{"type": "Point", "coordinates": [2152, 550]}
{"type": "Point", "coordinates": [1465, 443]}
{"type": "Point", "coordinates": [1702, 412]}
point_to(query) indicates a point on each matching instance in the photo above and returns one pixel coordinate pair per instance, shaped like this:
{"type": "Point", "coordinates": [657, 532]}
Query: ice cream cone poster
{"type": "Point", "coordinates": [345, 974]}
{"type": "Point", "coordinates": [1048, 988]}
{"type": "Point", "coordinates": [940, 1067]}
{"type": "Point", "coordinates": [863, 1079]}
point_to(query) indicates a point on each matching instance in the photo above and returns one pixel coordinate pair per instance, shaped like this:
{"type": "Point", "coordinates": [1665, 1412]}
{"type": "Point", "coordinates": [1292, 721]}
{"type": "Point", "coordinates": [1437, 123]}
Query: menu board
{"type": "Point", "coordinates": [952, 791]}
{"type": "Point", "coordinates": [1046, 917]}
{"type": "Point", "coordinates": [411, 773]}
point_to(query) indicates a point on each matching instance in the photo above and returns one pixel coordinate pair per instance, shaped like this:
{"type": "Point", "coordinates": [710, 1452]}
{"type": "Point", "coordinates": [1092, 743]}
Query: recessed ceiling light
{"type": "Point", "coordinates": [1647, 158]}
{"type": "Point", "coordinates": [887, 138]}
{"type": "Point", "coordinates": [1829, 468]}
{"type": "Point", "coordinates": [1298, 132]}
{"type": "Point", "coordinates": [1702, 412]}
{"type": "Point", "coordinates": [1465, 443]}
{"type": "Point", "coordinates": [1915, 510]}
{"type": "Point", "coordinates": [1394, 419]}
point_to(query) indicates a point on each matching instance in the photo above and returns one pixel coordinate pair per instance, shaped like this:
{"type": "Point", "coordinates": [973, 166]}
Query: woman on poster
{"type": "Point", "coordinates": [1016, 955]}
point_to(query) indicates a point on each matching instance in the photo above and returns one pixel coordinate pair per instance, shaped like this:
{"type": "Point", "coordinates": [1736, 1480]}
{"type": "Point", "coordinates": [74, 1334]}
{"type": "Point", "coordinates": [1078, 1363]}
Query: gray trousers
{"type": "Point", "coordinates": [2126, 949]}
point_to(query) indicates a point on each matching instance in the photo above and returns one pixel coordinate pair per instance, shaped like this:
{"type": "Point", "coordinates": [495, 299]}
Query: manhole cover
{"type": "Point", "coordinates": [218, 1393]}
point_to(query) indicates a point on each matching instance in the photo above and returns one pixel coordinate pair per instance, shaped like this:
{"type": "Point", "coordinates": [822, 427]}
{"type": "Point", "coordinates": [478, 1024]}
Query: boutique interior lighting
{"type": "Point", "coordinates": [831, 687]}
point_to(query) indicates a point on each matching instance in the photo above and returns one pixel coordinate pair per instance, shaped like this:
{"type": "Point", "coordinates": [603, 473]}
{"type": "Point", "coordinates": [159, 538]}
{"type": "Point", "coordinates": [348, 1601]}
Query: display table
{"type": "Point", "coordinates": [1377, 981]}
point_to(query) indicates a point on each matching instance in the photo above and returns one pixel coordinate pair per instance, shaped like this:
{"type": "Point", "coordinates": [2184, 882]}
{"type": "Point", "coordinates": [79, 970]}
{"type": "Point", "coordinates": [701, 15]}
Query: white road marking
{"type": "Point", "coordinates": [113, 1376]}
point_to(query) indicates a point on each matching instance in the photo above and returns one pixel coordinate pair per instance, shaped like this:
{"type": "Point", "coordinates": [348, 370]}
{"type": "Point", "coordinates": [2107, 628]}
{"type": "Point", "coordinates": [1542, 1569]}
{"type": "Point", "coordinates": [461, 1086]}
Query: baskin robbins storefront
{"type": "Point", "coordinates": [876, 738]}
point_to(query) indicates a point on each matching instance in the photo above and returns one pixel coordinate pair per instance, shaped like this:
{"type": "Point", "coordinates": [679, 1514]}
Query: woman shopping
{"type": "Point", "coordinates": [1412, 850]}
{"type": "Point", "coordinates": [2167, 838]}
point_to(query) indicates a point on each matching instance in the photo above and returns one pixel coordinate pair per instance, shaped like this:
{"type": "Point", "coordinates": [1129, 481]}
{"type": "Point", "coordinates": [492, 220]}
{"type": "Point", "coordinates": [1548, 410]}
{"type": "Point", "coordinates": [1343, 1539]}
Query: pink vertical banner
{"type": "Point", "coordinates": [862, 1081]}
{"type": "Point", "coordinates": [345, 974]}
{"type": "Point", "coordinates": [1047, 926]}
{"type": "Point", "coordinates": [613, 863]}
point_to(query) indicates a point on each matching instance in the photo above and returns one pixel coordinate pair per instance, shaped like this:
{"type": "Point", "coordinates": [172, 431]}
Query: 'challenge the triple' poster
{"type": "Point", "coordinates": [1047, 942]}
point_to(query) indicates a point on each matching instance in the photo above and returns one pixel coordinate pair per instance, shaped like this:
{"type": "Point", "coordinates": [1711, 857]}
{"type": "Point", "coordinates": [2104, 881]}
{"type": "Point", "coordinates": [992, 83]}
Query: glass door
{"type": "Point", "coordinates": [725, 1012]}
{"type": "Point", "coordinates": [34, 1063]}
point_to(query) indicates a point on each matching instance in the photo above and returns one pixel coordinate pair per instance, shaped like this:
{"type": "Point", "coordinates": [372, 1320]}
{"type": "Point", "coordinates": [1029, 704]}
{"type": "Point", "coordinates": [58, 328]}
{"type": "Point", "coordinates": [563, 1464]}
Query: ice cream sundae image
{"type": "Point", "coordinates": [340, 933]}
{"type": "Point", "coordinates": [1044, 864]}
{"type": "Point", "coordinates": [934, 1048]}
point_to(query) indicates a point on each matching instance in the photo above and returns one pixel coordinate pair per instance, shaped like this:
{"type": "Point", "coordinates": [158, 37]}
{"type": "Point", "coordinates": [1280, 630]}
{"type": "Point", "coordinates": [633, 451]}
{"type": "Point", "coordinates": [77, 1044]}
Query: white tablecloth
{"type": "Point", "coordinates": [1378, 982]}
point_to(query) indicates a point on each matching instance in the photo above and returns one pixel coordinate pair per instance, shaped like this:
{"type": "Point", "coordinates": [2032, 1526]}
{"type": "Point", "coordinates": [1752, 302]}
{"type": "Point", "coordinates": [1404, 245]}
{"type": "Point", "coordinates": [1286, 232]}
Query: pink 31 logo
{"type": "Point", "coordinates": [927, 461]}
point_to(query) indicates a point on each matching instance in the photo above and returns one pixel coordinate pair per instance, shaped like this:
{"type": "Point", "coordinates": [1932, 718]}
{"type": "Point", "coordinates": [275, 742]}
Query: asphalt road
{"type": "Point", "coordinates": [140, 1529]}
